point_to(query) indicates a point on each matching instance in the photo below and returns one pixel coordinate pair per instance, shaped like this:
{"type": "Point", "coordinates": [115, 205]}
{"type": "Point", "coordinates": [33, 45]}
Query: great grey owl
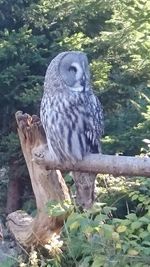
{"type": "Point", "coordinates": [70, 113]}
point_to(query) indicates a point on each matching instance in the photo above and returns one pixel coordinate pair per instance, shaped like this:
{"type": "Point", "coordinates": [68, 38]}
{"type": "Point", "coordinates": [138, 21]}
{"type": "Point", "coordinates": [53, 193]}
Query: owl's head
{"type": "Point", "coordinates": [72, 69]}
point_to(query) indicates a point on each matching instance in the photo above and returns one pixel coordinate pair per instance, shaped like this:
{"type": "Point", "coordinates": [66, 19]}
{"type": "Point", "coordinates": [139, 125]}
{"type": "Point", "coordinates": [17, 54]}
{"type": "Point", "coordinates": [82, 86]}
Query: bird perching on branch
{"type": "Point", "coordinates": [72, 117]}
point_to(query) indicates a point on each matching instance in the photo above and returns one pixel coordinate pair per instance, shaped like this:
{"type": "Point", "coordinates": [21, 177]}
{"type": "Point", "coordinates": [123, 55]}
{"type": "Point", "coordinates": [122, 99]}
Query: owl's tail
{"type": "Point", "coordinates": [85, 185]}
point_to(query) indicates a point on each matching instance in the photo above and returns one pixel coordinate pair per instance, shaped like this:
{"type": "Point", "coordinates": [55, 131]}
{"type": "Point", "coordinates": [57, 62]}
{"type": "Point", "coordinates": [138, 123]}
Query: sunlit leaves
{"type": "Point", "coordinates": [130, 34]}
{"type": "Point", "coordinates": [100, 70]}
{"type": "Point", "coordinates": [77, 41]}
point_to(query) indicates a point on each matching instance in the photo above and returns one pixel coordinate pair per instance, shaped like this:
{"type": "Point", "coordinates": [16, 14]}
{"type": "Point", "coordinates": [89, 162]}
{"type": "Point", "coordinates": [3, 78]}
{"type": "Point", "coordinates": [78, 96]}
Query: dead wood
{"type": "Point", "coordinates": [97, 163]}
{"type": "Point", "coordinates": [47, 185]}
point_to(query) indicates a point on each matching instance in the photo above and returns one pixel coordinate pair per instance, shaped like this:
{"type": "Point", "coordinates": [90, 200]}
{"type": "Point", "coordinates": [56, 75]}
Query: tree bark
{"type": "Point", "coordinates": [47, 185]}
{"type": "Point", "coordinates": [97, 163]}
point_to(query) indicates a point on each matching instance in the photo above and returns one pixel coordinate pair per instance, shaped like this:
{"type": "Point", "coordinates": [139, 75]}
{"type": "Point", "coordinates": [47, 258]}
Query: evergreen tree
{"type": "Point", "coordinates": [115, 36]}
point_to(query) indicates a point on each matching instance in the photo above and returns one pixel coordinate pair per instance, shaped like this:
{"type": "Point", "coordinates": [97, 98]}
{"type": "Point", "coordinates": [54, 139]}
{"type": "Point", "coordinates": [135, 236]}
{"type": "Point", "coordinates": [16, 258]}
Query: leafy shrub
{"type": "Point", "coordinates": [98, 237]}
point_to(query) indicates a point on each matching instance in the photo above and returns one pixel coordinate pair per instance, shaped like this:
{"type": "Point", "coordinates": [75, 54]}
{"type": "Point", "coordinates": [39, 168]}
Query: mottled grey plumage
{"type": "Point", "coordinates": [72, 117]}
{"type": "Point", "coordinates": [71, 114]}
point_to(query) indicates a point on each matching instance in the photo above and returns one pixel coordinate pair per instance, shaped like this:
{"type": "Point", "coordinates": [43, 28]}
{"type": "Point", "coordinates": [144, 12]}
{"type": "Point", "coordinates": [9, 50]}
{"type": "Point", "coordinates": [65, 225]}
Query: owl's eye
{"type": "Point", "coordinates": [72, 69]}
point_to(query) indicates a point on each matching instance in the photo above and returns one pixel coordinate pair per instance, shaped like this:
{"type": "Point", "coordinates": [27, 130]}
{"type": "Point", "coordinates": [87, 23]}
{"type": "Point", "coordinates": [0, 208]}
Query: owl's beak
{"type": "Point", "coordinates": [83, 82]}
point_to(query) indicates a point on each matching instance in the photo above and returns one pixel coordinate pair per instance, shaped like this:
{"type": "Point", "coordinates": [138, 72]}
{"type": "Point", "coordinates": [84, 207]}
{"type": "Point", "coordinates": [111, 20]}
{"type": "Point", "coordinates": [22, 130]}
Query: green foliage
{"type": "Point", "coordinates": [117, 44]}
{"type": "Point", "coordinates": [99, 238]}
{"type": "Point", "coordinates": [115, 36]}
{"type": "Point", "coordinates": [55, 208]}
{"type": "Point", "coordinates": [96, 238]}
{"type": "Point", "coordinates": [127, 48]}
{"type": "Point", "coordinates": [9, 147]}
{"type": "Point", "coordinates": [28, 41]}
{"type": "Point", "coordinates": [3, 189]}
{"type": "Point", "coordinates": [8, 263]}
{"type": "Point", "coordinates": [30, 206]}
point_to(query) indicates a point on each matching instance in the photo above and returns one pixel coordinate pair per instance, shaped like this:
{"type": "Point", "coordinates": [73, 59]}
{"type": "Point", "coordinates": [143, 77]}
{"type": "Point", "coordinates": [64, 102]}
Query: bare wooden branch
{"type": "Point", "coordinates": [47, 185]}
{"type": "Point", "coordinates": [97, 163]}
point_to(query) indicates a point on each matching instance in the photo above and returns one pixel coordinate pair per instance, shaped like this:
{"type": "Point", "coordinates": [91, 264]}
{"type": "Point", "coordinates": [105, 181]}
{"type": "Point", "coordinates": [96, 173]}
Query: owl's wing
{"type": "Point", "coordinates": [95, 122]}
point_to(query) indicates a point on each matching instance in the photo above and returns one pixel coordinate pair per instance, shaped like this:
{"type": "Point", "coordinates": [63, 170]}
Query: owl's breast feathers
{"type": "Point", "coordinates": [73, 124]}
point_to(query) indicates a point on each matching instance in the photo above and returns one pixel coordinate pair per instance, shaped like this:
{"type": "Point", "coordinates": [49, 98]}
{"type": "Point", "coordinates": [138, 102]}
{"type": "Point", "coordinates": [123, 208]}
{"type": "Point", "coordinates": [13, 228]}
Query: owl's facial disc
{"type": "Point", "coordinates": [79, 77]}
{"type": "Point", "coordinates": [74, 71]}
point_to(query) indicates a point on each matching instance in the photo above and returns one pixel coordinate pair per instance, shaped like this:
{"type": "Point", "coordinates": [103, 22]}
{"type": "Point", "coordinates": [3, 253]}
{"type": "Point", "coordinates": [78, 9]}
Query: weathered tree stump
{"type": "Point", "coordinates": [47, 185]}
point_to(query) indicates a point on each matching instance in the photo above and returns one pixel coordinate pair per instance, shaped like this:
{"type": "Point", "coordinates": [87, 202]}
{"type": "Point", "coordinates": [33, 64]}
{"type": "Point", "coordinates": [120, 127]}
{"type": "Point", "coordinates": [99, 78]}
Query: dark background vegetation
{"type": "Point", "coordinates": [115, 36]}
